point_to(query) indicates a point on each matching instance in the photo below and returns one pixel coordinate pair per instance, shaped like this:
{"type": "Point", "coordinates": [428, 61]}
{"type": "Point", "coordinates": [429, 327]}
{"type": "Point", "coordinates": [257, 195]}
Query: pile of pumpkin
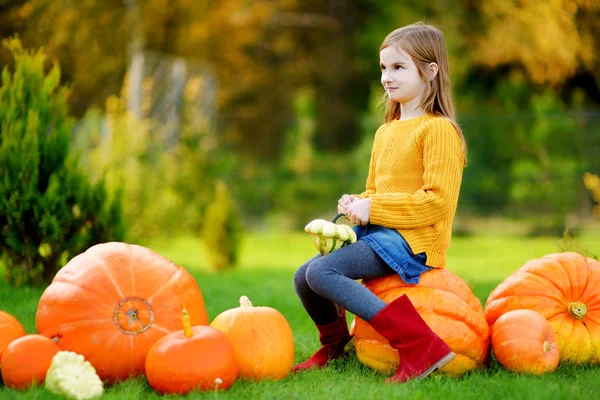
{"type": "Point", "coordinates": [545, 312]}
{"type": "Point", "coordinates": [121, 310]}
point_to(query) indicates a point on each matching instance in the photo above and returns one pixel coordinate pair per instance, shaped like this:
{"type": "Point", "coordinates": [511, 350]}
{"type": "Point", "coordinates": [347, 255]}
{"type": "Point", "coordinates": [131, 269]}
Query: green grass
{"type": "Point", "coordinates": [265, 274]}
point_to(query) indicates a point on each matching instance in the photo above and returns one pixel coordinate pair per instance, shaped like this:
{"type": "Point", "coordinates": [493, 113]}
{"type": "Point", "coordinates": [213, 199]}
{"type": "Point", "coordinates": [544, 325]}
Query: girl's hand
{"type": "Point", "coordinates": [344, 202]}
{"type": "Point", "coordinates": [358, 213]}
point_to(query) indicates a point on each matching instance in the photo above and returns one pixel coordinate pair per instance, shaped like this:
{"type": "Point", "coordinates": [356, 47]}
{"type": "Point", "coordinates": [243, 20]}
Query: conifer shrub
{"type": "Point", "coordinates": [50, 211]}
{"type": "Point", "coordinates": [221, 231]}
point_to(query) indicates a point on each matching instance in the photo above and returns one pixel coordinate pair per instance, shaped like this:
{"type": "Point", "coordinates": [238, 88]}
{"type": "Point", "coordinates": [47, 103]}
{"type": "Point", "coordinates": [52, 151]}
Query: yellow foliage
{"type": "Point", "coordinates": [550, 38]}
{"type": "Point", "coordinates": [592, 182]}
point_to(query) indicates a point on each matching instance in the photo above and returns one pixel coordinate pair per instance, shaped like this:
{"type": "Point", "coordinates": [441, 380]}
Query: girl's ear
{"type": "Point", "coordinates": [433, 70]}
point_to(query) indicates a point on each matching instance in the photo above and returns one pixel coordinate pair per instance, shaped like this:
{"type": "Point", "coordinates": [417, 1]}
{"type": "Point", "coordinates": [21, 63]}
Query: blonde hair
{"type": "Point", "coordinates": [425, 44]}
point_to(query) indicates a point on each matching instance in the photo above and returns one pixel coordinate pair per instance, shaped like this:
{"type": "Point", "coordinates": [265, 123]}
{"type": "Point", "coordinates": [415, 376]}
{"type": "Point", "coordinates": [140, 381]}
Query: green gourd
{"type": "Point", "coordinates": [329, 236]}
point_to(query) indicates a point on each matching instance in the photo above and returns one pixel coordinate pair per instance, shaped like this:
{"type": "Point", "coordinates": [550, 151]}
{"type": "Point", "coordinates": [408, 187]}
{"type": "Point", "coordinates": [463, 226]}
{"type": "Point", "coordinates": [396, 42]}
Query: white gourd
{"type": "Point", "coordinates": [328, 236]}
{"type": "Point", "coordinates": [72, 376]}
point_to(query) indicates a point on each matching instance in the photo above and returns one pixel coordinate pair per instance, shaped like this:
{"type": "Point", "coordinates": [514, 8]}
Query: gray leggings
{"type": "Point", "coordinates": [324, 281]}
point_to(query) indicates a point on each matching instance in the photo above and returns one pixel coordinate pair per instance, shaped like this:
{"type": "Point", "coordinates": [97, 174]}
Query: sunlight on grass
{"type": "Point", "coordinates": [259, 251]}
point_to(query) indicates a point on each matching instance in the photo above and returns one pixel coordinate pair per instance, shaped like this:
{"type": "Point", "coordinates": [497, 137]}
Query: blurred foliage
{"type": "Point", "coordinates": [221, 230]}
{"type": "Point", "coordinates": [297, 103]}
{"type": "Point", "coordinates": [552, 40]}
{"type": "Point", "coordinates": [546, 157]}
{"type": "Point", "coordinates": [49, 209]}
{"type": "Point", "coordinates": [166, 189]}
{"type": "Point", "coordinates": [592, 183]}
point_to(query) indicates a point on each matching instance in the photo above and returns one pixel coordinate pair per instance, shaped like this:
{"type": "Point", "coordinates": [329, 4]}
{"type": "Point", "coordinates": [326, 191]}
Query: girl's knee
{"type": "Point", "coordinates": [300, 277]}
{"type": "Point", "coordinates": [318, 276]}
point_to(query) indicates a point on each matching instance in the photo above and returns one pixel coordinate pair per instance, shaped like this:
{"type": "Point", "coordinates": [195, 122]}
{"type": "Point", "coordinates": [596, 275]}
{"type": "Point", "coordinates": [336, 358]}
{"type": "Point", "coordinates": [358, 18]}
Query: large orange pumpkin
{"type": "Point", "coordinates": [565, 289]}
{"type": "Point", "coordinates": [195, 358]}
{"type": "Point", "coordinates": [10, 329]}
{"type": "Point", "coordinates": [523, 341]}
{"type": "Point", "coordinates": [447, 305]}
{"type": "Point", "coordinates": [262, 340]}
{"type": "Point", "coordinates": [111, 303]}
{"type": "Point", "coordinates": [26, 361]}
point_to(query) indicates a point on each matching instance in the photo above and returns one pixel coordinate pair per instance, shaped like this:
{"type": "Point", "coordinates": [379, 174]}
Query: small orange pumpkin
{"type": "Point", "coordinates": [196, 358]}
{"type": "Point", "coordinates": [10, 329]}
{"type": "Point", "coordinates": [262, 340]}
{"type": "Point", "coordinates": [26, 361]}
{"type": "Point", "coordinates": [523, 341]}
{"type": "Point", "coordinates": [447, 305]}
{"type": "Point", "coordinates": [111, 303]}
{"type": "Point", "coordinates": [565, 289]}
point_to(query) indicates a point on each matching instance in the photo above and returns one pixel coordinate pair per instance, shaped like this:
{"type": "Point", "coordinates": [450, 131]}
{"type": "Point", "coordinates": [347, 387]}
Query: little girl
{"type": "Point", "coordinates": [404, 217]}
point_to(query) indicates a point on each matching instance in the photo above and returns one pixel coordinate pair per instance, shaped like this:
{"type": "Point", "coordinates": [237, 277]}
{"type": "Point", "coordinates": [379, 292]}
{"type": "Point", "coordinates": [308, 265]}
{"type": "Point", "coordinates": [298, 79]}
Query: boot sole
{"type": "Point", "coordinates": [445, 360]}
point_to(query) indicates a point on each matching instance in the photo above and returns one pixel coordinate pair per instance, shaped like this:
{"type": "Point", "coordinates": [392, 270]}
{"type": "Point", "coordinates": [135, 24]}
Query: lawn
{"type": "Point", "coordinates": [265, 275]}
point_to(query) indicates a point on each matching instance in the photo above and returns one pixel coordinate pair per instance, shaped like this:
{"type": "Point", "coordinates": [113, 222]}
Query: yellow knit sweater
{"type": "Point", "coordinates": [414, 181]}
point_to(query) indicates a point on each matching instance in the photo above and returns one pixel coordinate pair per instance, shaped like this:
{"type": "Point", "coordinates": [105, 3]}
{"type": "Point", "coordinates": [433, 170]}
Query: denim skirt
{"type": "Point", "coordinates": [389, 244]}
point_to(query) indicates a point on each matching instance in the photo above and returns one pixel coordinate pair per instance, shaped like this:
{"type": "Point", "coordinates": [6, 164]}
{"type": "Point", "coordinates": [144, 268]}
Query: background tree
{"type": "Point", "coordinates": [49, 210]}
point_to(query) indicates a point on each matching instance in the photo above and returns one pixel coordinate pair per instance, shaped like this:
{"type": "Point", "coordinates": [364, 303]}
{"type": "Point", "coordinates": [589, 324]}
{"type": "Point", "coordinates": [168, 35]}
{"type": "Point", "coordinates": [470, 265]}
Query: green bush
{"type": "Point", "coordinates": [221, 232]}
{"type": "Point", "coordinates": [49, 209]}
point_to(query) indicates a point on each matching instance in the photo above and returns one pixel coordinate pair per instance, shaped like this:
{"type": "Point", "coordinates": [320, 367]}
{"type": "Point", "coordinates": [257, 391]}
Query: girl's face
{"type": "Point", "coordinates": [400, 76]}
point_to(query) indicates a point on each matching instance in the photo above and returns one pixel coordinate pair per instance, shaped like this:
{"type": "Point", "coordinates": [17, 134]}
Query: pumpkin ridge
{"type": "Point", "coordinates": [589, 318]}
{"type": "Point", "coordinates": [532, 294]}
{"type": "Point", "coordinates": [408, 288]}
{"type": "Point", "coordinates": [589, 299]}
{"type": "Point", "coordinates": [479, 324]}
{"type": "Point", "coordinates": [89, 351]}
{"type": "Point", "coordinates": [111, 277]}
{"type": "Point", "coordinates": [477, 348]}
{"type": "Point", "coordinates": [577, 351]}
{"type": "Point", "coordinates": [519, 285]}
{"type": "Point", "coordinates": [79, 322]}
{"type": "Point", "coordinates": [132, 274]}
{"type": "Point", "coordinates": [103, 298]}
{"type": "Point", "coordinates": [558, 289]}
{"type": "Point", "coordinates": [450, 285]}
{"type": "Point", "coordinates": [560, 299]}
{"type": "Point", "coordinates": [476, 328]}
{"type": "Point", "coordinates": [572, 280]}
{"type": "Point", "coordinates": [174, 278]}
{"type": "Point", "coordinates": [588, 278]}
{"type": "Point", "coordinates": [590, 334]}
{"type": "Point", "coordinates": [556, 314]}
{"type": "Point", "coordinates": [591, 304]}
{"type": "Point", "coordinates": [448, 305]}
{"type": "Point", "coordinates": [457, 296]}
{"type": "Point", "coordinates": [108, 344]}
{"type": "Point", "coordinates": [160, 328]}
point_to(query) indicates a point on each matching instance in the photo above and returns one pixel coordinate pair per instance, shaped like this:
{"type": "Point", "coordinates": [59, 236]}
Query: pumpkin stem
{"type": "Point", "coordinates": [185, 321]}
{"type": "Point", "coordinates": [547, 347]}
{"type": "Point", "coordinates": [245, 302]}
{"type": "Point", "coordinates": [577, 310]}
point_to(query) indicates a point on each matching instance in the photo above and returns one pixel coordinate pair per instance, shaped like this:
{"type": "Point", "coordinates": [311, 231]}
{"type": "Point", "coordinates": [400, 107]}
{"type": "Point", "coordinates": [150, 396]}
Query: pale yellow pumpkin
{"type": "Point", "coordinates": [262, 340]}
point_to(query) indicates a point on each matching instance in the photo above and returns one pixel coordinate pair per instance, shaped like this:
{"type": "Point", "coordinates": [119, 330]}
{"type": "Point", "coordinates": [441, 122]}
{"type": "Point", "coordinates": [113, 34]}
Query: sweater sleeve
{"type": "Point", "coordinates": [437, 198]}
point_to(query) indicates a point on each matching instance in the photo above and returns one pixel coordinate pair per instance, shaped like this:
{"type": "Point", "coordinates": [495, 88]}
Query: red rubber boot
{"type": "Point", "coordinates": [421, 351]}
{"type": "Point", "coordinates": [334, 338]}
